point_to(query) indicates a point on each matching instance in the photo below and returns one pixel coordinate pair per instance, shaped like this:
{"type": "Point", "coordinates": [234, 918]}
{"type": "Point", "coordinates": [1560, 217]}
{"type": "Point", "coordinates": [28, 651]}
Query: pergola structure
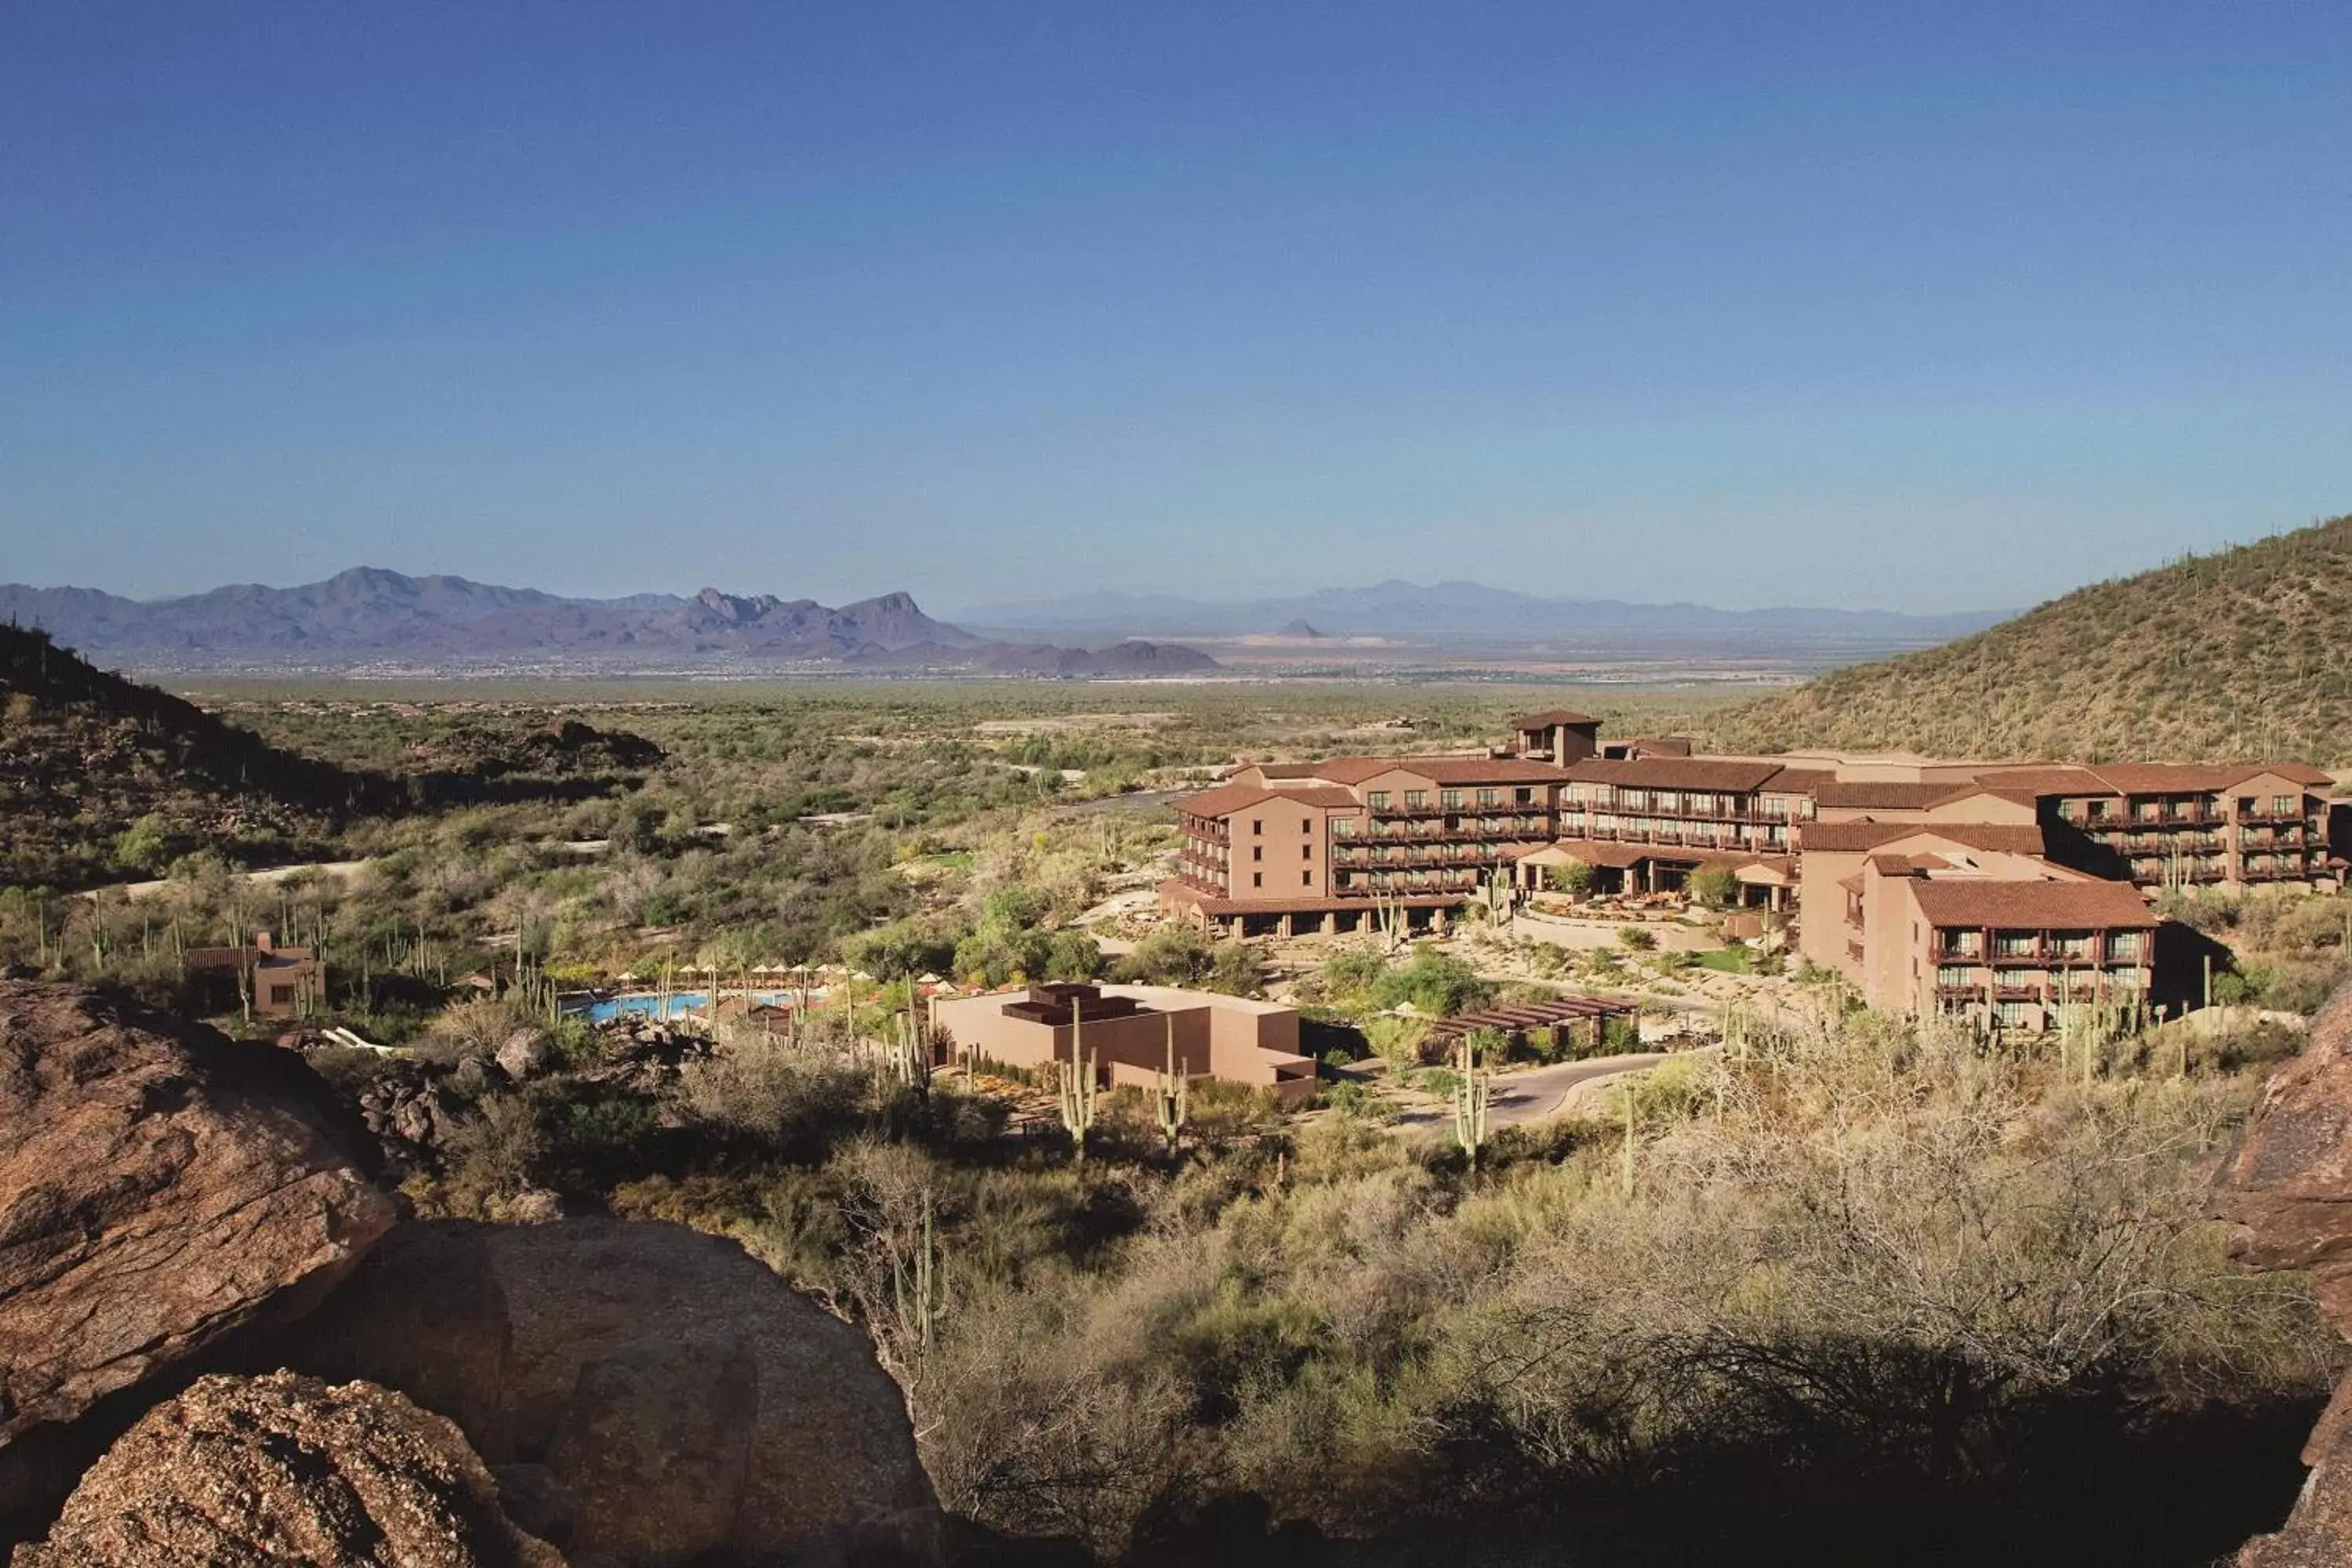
{"type": "Point", "coordinates": [1562, 1011]}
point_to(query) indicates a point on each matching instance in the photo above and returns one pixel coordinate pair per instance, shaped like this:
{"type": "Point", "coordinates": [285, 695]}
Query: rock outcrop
{"type": "Point", "coordinates": [160, 1185]}
{"type": "Point", "coordinates": [2288, 1185]}
{"type": "Point", "coordinates": [285, 1469]}
{"type": "Point", "coordinates": [643, 1392]}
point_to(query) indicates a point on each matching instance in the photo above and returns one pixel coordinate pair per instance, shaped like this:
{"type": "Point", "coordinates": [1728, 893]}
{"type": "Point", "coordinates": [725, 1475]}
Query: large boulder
{"type": "Point", "coordinates": [2288, 1186]}
{"type": "Point", "coordinates": [653, 1392]}
{"type": "Point", "coordinates": [285, 1469]}
{"type": "Point", "coordinates": [160, 1185]}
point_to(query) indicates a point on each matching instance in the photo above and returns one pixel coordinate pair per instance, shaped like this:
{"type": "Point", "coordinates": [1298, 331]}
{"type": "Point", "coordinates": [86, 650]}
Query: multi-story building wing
{"type": "Point", "coordinates": [2173, 825]}
{"type": "Point", "coordinates": [1335, 844]}
{"type": "Point", "coordinates": [2015, 950]}
{"type": "Point", "coordinates": [1646, 823]}
{"type": "Point", "coordinates": [1831, 934]}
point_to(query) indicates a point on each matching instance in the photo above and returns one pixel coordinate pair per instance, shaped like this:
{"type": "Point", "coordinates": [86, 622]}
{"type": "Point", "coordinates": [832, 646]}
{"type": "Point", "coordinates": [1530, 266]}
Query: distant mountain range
{"type": "Point", "coordinates": [1473, 613]}
{"type": "Point", "coordinates": [369, 614]}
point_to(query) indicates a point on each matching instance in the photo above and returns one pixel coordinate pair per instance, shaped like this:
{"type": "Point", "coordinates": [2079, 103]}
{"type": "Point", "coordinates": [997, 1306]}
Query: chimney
{"type": "Point", "coordinates": [264, 943]}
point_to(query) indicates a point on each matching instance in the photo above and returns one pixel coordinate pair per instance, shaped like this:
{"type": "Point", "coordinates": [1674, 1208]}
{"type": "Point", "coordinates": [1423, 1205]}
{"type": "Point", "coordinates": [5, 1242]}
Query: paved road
{"type": "Point", "coordinates": [1543, 1092]}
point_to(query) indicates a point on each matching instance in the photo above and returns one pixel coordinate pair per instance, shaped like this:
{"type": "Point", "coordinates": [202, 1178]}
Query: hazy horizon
{"type": "Point", "coordinates": [1931, 311]}
{"type": "Point", "coordinates": [950, 607]}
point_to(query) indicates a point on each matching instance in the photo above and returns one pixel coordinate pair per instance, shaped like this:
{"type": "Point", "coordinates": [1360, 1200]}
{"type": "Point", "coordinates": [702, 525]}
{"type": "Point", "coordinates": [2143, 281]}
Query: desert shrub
{"type": "Point", "coordinates": [1357, 1100]}
{"type": "Point", "coordinates": [1636, 940]}
{"type": "Point", "coordinates": [789, 1100]}
{"type": "Point", "coordinates": [1236, 969]}
{"type": "Point", "coordinates": [494, 1152]}
{"type": "Point", "coordinates": [902, 947]}
{"type": "Point", "coordinates": [1072, 955]}
{"type": "Point", "coordinates": [1172, 956]}
{"type": "Point", "coordinates": [1355, 969]}
{"type": "Point", "coordinates": [1436, 982]}
{"type": "Point", "coordinates": [473, 1028]}
{"type": "Point", "coordinates": [1399, 1041]}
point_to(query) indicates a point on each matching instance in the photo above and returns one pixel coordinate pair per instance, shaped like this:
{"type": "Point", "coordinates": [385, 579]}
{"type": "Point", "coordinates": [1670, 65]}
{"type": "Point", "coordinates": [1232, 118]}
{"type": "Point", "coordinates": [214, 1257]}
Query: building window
{"type": "Point", "coordinates": [1490, 798]}
{"type": "Point", "coordinates": [1449, 798]}
{"type": "Point", "coordinates": [2095, 810]}
{"type": "Point", "coordinates": [1258, 825]}
{"type": "Point", "coordinates": [2015, 1015]}
{"type": "Point", "coordinates": [2132, 978]}
{"type": "Point", "coordinates": [1306, 824]}
{"type": "Point", "coordinates": [1307, 852]}
{"type": "Point", "coordinates": [1258, 851]}
{"type": "Point", "coordinates": [2013, 944]}
{"type": "Point", "coordinates": [1414, 799]}
{"type": "Point", "coordinates": [2284, 806]}
{"type": "Point", "coordinates": [1307, 878]}
{"type": "Point", "coordinates": [1343, 828]}
{"type": "Point", "coordinates": [2124, 944]}
{"type": "Point", "coordinates": [1257, 879]}
{"type": "Point", "coordinates": [1524, 797]}
{"type": "Point", "coordinates": [1378, 800]}
{"type": "Point", "coordinates": [1955, 974]}
{"type": "Point", "coordinates": [1964, 942]}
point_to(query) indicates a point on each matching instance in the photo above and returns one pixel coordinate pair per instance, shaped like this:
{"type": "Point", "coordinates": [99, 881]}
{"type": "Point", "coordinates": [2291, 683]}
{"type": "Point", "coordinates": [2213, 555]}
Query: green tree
{"type": "Point", "coordinates": [1575, 877]}
{"type": "Point", "coordinates": [145, 845]}
{"type": "Point", "coordinates": [1714, 888]}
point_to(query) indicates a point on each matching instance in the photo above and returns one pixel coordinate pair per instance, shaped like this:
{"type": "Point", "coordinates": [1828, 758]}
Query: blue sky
{"type": "Point", "coordinates": [1922, 306]}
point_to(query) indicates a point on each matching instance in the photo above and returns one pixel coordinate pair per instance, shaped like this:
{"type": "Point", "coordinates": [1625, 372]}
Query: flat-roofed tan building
{"type": "Point", "coordinates": [1128, 1031]}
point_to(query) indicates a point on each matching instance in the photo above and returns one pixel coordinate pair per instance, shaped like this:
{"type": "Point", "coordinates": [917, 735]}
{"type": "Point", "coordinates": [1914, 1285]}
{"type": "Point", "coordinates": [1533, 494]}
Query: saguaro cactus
{"type": "Point", "coordinates": [910, 1050]}
{"type": "Point", "coordinates": [1077, 1091]}
{"type": "Point", "coordinates": [1471, 1096]}
{"type": "Point", "coordinates": [1171, 1094]}
{"type": "Point", "coordinates": [920, 1291]}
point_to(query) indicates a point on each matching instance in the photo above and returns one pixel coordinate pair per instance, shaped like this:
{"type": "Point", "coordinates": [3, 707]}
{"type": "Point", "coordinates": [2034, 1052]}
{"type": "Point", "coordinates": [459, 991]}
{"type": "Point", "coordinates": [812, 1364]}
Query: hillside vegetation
{"type": "Point", "coordinates": [2245, 653]}
{"type": "Point", "coordinates": [101, 776]}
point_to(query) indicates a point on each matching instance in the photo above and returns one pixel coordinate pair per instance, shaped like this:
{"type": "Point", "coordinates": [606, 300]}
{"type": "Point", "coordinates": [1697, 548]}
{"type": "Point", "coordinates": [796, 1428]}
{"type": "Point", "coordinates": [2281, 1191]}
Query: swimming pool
{"type": "Point", "coordinates": [648, 1004]}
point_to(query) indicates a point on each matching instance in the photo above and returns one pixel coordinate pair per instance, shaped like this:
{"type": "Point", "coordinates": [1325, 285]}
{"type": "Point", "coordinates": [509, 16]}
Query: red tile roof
{"type": "Point", "coordinates": [1723, 774]}
{"type": "Point", "coordinates": [1881, 794]}
{"type": "Point", "coordinates": [2157, 778]}
{"type": "Point", "coordinates": [2146, 778]}
{"type": "Point", "coordinates": [2030, 905]}
{"type": "Point", "coordinates": [1223, 800]}
{"type": "Point", "coordinates": [1450, 770]}
{"type": "Point", "coordinates": [2013, 838]}
{"type": "Point", "coordinates": [1226, 799]}
{"type": "Point", "coordinates": [2055, 778]}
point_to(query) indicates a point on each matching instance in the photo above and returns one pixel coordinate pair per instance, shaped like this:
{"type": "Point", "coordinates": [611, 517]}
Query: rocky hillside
{"type": "Point", "coordinates": [217, 1347]}
{"type": "Point", "coordinates": [102, 777]}
{"type": "Point", "coordinates": [2245, 653]}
